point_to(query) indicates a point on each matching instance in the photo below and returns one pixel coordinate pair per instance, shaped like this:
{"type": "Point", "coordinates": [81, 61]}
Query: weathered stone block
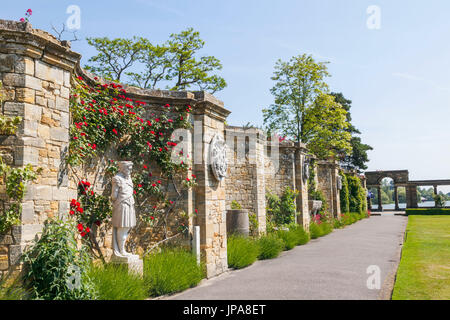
{"type": "Point", "coordinates": [59, 134]}
{"type": "Point", "coordinates": [28, 212]}
{"type": "Point", "coordinates": [7, 62]}
{"type": "Point", "coordinates": [22, 80]}
{"type": "Point", "coordinates": [25, 65]}
{"type": "Point", "coordinates": [25, 95]}
{"type": "Point", "coordinates": [62, 104]}
{"type": "Point", "coordinates": [48, 73]}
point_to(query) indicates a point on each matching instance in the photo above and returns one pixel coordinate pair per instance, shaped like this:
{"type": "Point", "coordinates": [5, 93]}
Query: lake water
{"type": "Point", "coordinates": [425, 204]}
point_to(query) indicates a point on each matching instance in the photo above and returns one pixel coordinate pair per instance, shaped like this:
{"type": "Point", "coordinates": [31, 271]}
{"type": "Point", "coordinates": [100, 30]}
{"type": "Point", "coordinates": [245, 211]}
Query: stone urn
{"type": "Point", "coordinates": [237, 222]}
{"type": "Point", "coordinates": [314, 206]}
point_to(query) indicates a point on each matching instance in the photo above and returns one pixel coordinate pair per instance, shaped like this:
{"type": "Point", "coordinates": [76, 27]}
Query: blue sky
{"type": "Point", "coordinates": [397, 76]}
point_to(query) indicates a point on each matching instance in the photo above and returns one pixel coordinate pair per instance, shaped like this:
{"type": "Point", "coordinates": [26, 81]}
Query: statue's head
{"type": "Point", "coordinates": [125, 167]}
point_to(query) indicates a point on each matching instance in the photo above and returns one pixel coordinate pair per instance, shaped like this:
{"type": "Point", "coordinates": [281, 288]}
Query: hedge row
{"type": "Point", "coordinates": [427, 211]}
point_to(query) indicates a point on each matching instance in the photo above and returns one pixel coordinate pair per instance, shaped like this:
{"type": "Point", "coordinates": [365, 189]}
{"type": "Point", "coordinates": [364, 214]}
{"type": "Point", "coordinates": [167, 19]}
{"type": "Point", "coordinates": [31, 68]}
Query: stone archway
{"type": "Point", "coordinates": [400, 178]}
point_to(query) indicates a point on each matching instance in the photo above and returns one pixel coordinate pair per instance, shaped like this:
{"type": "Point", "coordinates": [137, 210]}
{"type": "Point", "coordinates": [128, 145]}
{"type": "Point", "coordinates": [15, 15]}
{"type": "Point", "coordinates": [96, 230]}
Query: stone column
{"type": "Point", "coordinates": [209, 116]}
{"type": "Point", "coordinates": [411, 196]}
{"type": "Point", "coordinates": [302, 186]}
{"type": "Point", "coordinates": [327, 172]}
{"type": "Point", "coordinates": [36, 69]}
{"type": "Point", "coordinates": [380, 204]}
{"type": "Point", "coordinates": [396, 198]}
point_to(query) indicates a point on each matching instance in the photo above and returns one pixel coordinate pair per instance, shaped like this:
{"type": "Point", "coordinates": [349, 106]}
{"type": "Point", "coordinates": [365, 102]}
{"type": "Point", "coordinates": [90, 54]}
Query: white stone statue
{"type": "Point", "coordinates": [123, 215]}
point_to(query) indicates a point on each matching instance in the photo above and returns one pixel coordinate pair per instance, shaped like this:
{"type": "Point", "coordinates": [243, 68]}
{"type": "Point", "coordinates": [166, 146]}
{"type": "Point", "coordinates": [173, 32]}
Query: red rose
{"type": "Point", "coordinates": [83, 234]}
{"type": "Point", "coordinates": [115, 131]}
{"type": "Point", "coordinates": [72, 212]}
{"type": "Point", "coordinates": [80, 209]}
{"type": "Point", "coordinates": [88, 230]}
{"type": "Point", "coordinates": [80, 227]}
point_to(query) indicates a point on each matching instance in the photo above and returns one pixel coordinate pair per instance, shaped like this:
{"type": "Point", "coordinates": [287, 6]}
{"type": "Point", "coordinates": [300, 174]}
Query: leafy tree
{"type": "Point", "coordinates": [298, 83]}
{"type": "Point", "coordinates": [186, 69]}
{"type": "Point", "coordinates": [156, 65]}
{"type": "Point", "coordinates": [358, 157]}
{"type": "Point", "coordinates": [325, 128]}
{"type": "Point", "coordinates": [114, 57]}
{"type": "Point", "coordinates": [174, 63]}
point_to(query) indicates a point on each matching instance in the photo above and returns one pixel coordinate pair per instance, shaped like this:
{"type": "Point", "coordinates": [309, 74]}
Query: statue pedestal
{"type": "Point", "coordinates": [133, 263]}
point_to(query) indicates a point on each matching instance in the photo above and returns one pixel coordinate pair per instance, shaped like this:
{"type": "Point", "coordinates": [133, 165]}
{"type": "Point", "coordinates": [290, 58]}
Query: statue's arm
{"type": "Point", "coordinates": [115, 188]}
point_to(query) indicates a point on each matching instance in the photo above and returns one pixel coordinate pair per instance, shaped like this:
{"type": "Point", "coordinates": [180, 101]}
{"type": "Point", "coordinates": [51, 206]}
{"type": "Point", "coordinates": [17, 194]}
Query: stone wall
{"type": "Point", "coordinates": [254, 170]}
{"type": "Point", "coordinates": [35, 70]}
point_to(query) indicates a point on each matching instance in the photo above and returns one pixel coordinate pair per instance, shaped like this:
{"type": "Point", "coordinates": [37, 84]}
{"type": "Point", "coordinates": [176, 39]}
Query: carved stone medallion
{"type": "Point", "coordinates": [218, 157]}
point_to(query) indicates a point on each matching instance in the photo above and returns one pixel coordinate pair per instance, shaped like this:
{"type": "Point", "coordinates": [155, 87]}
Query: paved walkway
{"type": "Point", "coordinates": [332, 267]}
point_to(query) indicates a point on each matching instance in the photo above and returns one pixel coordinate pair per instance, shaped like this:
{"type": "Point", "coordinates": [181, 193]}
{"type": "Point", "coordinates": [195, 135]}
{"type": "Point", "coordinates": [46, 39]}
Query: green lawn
{"type": "Point", "coordinates": [424, 271]}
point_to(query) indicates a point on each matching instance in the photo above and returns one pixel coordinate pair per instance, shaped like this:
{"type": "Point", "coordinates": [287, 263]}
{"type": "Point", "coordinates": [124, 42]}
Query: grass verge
{"type": "Point", "coordinates": [424, 270]}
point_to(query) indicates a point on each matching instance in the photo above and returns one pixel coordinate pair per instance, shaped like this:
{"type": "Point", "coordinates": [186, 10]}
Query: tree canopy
{"type": "Point", "coordinates": [358, 157]}
{"type": "Point", "coordinates": [174, 64]}
{"type": "Point", "coordinates": [304, 111]}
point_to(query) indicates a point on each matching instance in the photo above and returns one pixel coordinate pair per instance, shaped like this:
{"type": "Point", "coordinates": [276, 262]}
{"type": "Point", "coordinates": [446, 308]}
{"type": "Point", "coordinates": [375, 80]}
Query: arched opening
{"type": "Point", "coordinates": [389, 191]}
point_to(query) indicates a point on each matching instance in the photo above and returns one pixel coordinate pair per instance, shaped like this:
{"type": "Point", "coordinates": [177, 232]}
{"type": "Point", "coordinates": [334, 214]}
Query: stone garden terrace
{"type": "Point", "coordinates": [37, 72]}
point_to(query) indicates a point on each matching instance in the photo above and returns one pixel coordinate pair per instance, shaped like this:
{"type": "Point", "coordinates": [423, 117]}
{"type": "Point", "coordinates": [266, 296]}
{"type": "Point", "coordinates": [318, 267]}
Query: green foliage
{"type": "Point", "coordinates": [11, 290]}
{"type": "Point", "coordinates": [115, 282]}
{"type": "Point", "coordinates": [241, 251]}
{"type": "Point", "coordinates": [325, 128]}
{"type": "Point", "coordinates": [114, 56]}
{"type": "Point", "coordinates": [358, 157]}
{"type": "Point", "coordinates": [298, 83]}
{"type": "Point", "coordinates": [281, 210]}
{"type": "Point", "coordinates": [439, 200]}
{"type": "Point", "coordinates": [344, 194]}
{"type": "Point", "coordinates": [289, 238]}
{"type": "Point", "coordinates": [302, 237]}
{"type": "Point", "coordinates": [357, 199]}
{"type": "Point", "coordinates": [104, 120]}
{"type": "Point", "coordinates": [170, 271]}
{"type": "Point", "coordinates": [427, 211]}
{"type": "Point", "coordinates": [253, 224]}
{"type": "Point", "coordinates": [270, 246]}
{"type": "Point", "coordinates": [235, 205]}
{"type": "Point", "coordinates": [326, 228]}
{"type": "Point", "coordinates": [315, 231]}
{"type": "Point", "coordinates": [14, 179]}
{"type": "Point", "coordinates": [55, 269]}
{"type": "Point", "coordinates": [174, 63]}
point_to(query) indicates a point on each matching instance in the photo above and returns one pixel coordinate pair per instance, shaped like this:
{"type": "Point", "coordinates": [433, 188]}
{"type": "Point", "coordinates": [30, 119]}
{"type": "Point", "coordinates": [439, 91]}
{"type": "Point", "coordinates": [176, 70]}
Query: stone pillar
{"type": "Point", "coordinates": [380, 203]}
{"type": "Point", "coordinates": [302, 186]}
{"type": "Point", "coordinates": [411, 196]}
{"type": "Point", "coordinates": [209, 116]}
{"type": "Point", "coordinates": [396, 198]}
{"type": "Point", "coordinates": [36, 70]}
{"type": "Point", "coordinates": [327, 173]}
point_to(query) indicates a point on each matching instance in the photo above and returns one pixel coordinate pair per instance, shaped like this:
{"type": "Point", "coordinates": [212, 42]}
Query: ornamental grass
{"type": "Point", "coordinates": [270, 246]}
{"type": "Point", "coordinates": [241, 251]}
{"type": "Point", "coordinates": [114, 282]}
{"type": "Point", "coordinates": [170, 271]}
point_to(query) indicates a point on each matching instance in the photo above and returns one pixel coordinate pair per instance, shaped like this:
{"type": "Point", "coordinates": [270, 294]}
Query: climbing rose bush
{"type": "Point", "coordinates": [108, 124]}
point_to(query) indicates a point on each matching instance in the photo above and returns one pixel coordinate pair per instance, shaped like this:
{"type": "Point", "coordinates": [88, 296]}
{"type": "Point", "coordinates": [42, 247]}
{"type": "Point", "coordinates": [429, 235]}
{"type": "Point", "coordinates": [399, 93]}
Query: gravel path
{"type": "Point", "coordinates": [332, 267]}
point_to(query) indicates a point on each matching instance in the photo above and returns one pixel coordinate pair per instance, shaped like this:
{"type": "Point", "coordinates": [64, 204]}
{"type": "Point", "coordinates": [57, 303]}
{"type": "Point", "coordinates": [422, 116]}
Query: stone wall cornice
{"type": "Point", "coordinates": [21, 38]}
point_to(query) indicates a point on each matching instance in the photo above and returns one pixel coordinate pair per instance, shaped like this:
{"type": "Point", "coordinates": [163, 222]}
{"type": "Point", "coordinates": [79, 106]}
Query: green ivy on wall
{"type": "Point", "coordinates": [344, 194]}
{"type": "Point", "coordinates": [14, 179]}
